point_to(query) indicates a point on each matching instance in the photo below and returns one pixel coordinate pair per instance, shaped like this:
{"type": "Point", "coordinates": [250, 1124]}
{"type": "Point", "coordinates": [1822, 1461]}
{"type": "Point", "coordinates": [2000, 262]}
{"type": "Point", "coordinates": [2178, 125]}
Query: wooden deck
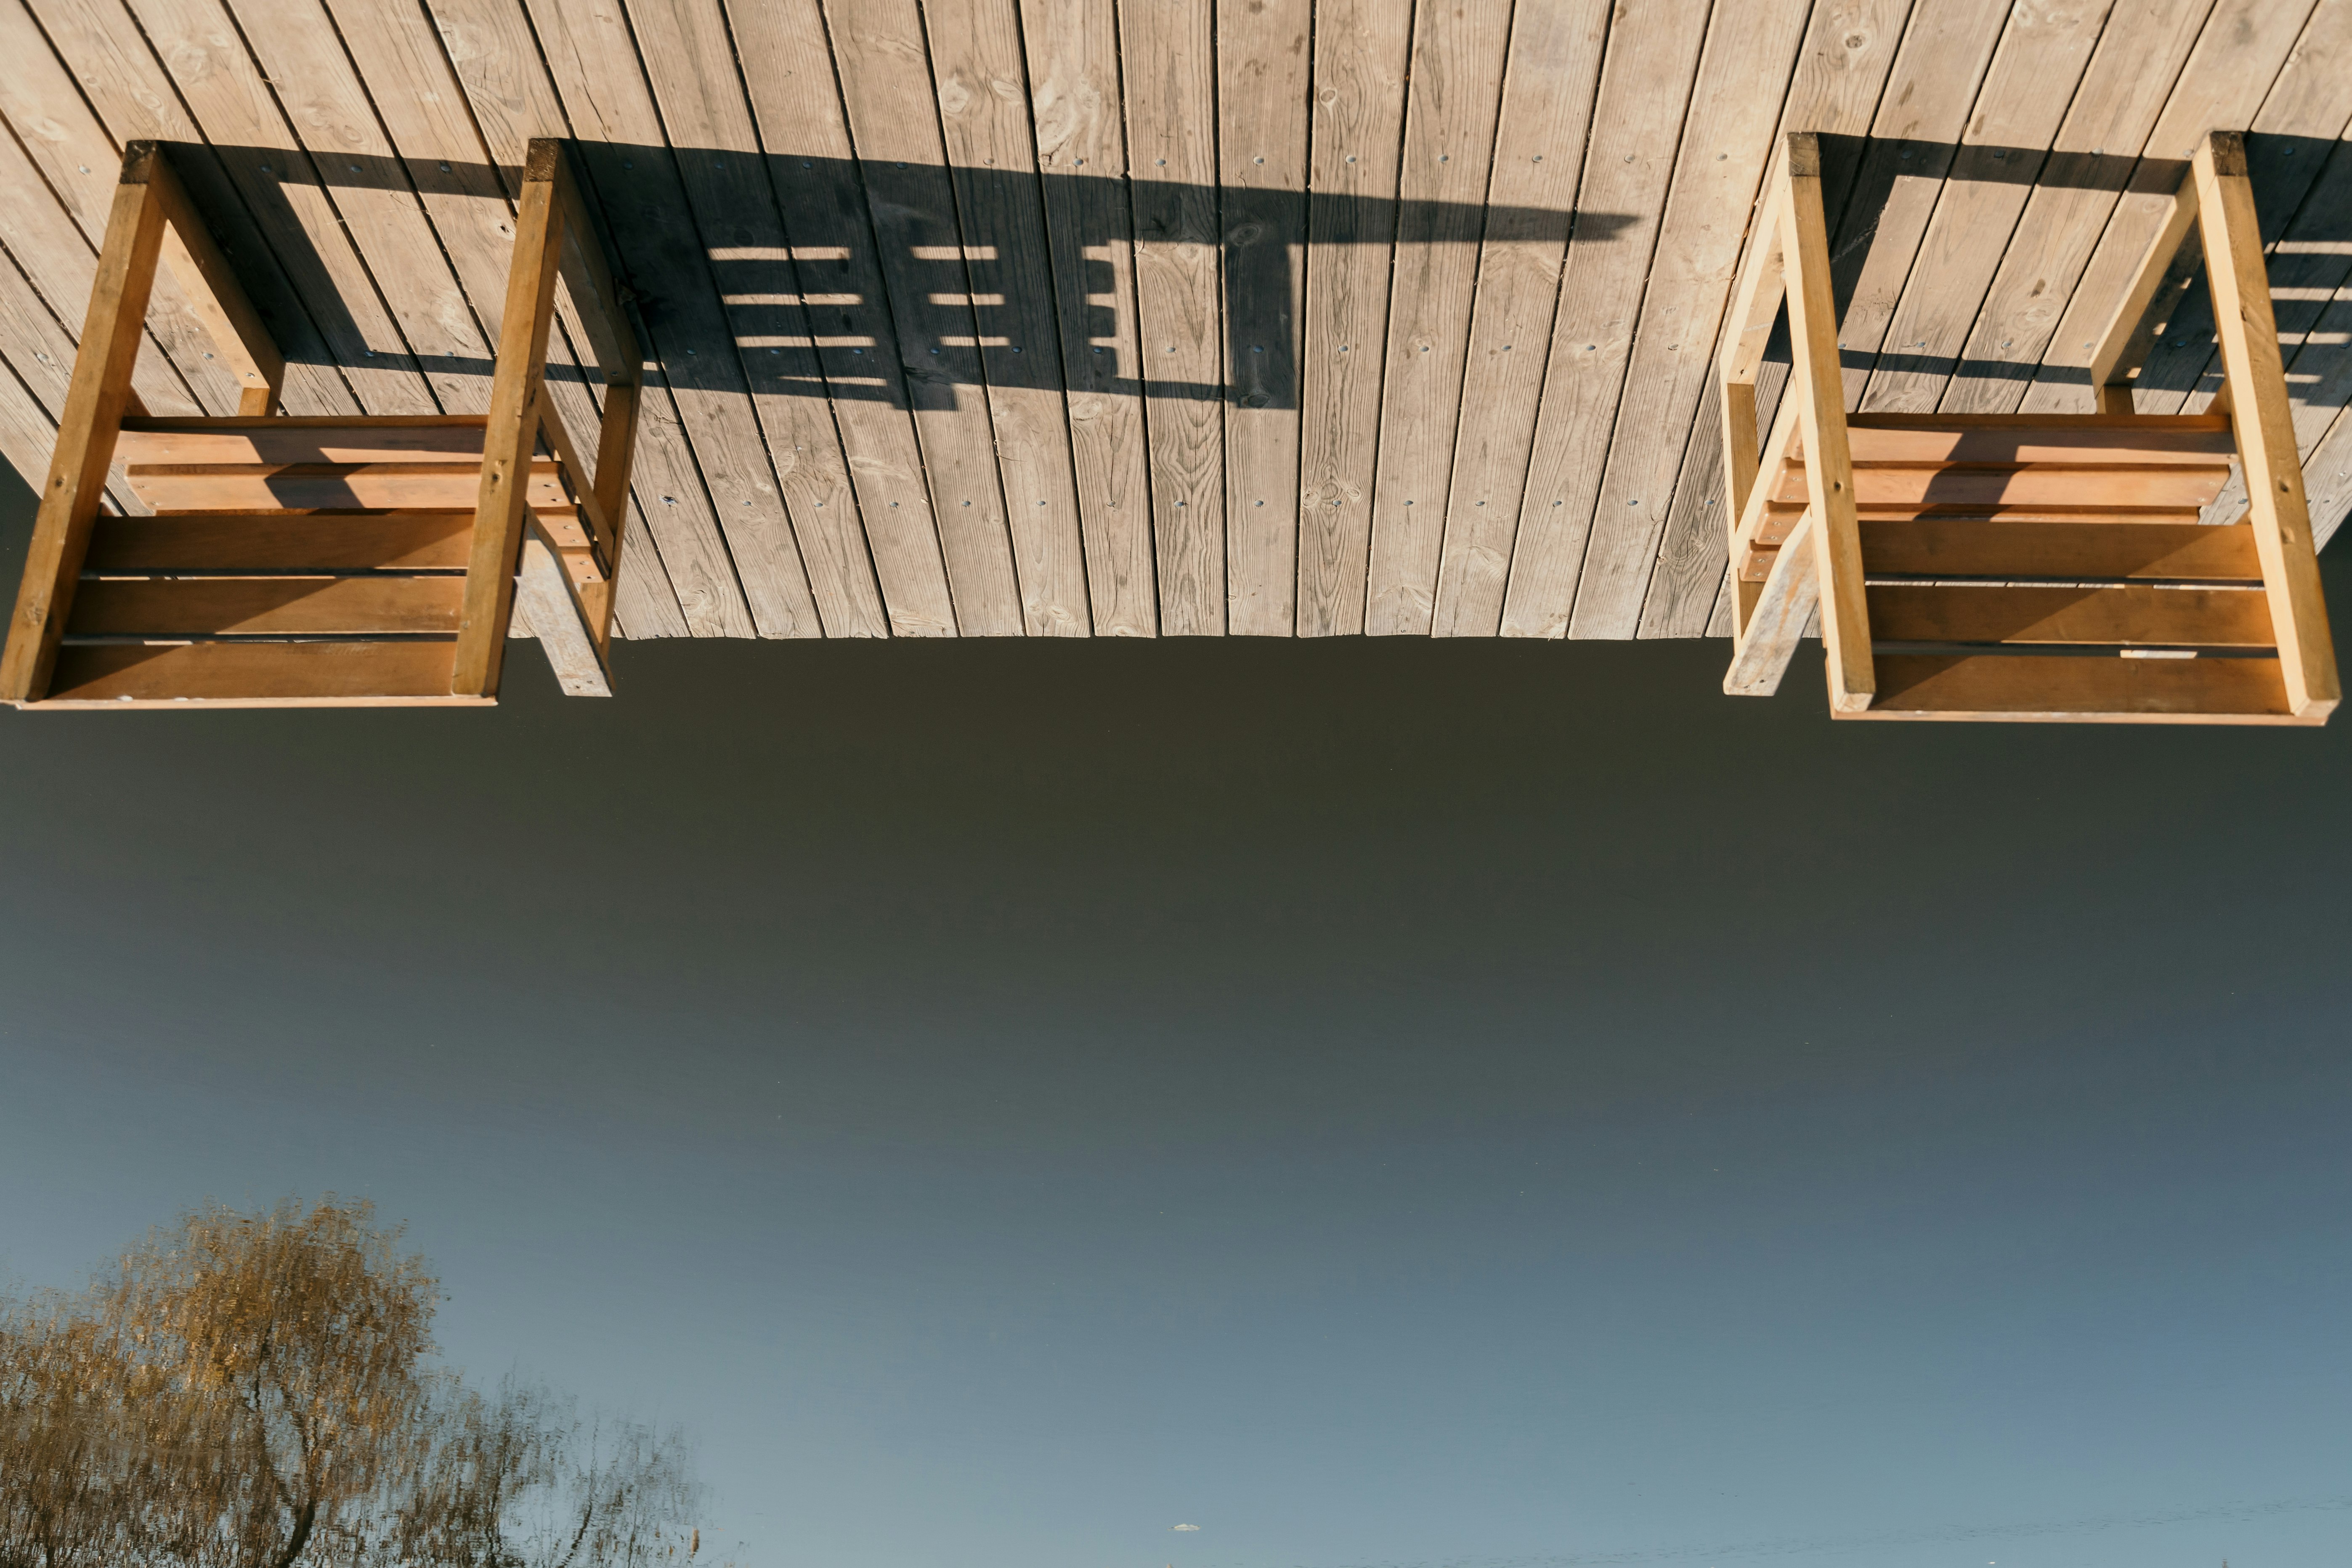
{"type": "Point", "coordinates": [1179, 317]}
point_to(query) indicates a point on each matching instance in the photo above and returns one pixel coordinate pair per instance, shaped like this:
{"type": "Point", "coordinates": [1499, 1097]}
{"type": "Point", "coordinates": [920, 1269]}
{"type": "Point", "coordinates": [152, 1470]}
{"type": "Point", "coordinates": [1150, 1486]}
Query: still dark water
{"type": "Point", "coordinates": [1380, 1102]}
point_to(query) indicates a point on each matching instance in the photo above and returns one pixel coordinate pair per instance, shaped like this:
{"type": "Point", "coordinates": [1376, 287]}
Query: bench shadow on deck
{"type": "Point", "coordinates": [833, 294]}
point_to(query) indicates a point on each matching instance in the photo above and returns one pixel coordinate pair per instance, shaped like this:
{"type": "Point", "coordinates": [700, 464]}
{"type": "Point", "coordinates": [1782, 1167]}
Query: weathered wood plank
{"type": "Point", "coordinates": [690, 61]}
{"type": "Point", "coordinates": [1940, 74]}
{"type": "Point", "coordinates": [834, 271]}
{"type": "Point", "coordinates": [1168, 65]}
{"type": "Point", "coordinates": [983, 107]}
{"type": "Point", "coordinates": [886, 85]}
{"type": "Point", "coordinates": [1726, 143]}
{"type": "Point", "coordinates": [28, 432]}
{"type": "Point", "coordinates": [1073, 48]}
{"type": "Point", "coordinates": [2041, 59]}
{"type": "Point", "coordinates": [2238, 57]}
{"type": "Point", "coordinates": [78, 161]}
{"type": "Point", "coordinates": [1783, 610]}
{"type": "Point", "coordinates": [544, 596]}
{"type": "Point", "coordinates": [1551, 77]}
{"type": "Point", "coordinates": [1458, 57]}
{"type": "Point", "coordinates": [1264, 71]}
{"type": "Point", "coordinates": [2133, 71]}
{"type": "Point", "coordinates": [1360, 61]}
{"type": "Point", "coordinates": [2330, 470]}
{"type": "Point", "coordinates": [648, 200]}
{"type": "Point", "coordinates": [1645, 88]}
{"type": "Point", "coordinates": [51, 256]}
{"type": "Point", "coordinates": [1840, 86]}
{"type": "Point", "coordinates": [115, 60]}
{"type": "Point", "coordinates": [490, 46]}
{"type": "Point", "coordinates": [417, 94]}
{"type": "Point", "coordinates": [300, 56]}
{"type": "Point", "coordinates": [44, 357]}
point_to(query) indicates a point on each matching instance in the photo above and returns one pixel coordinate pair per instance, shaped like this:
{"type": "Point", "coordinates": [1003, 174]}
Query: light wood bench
{"type": "Point", "coordinates": [322, 561]}
{"type": "Point", "coordinates": [2025, 566]}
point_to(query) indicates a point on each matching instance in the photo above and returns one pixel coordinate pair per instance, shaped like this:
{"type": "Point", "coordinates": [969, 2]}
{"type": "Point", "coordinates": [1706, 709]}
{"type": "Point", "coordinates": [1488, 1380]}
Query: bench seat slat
{"type": "Point", "coordinates": [255, 675]}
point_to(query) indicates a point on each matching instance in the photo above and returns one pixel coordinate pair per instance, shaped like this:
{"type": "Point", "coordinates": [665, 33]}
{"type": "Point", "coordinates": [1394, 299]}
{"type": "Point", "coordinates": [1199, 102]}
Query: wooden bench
{"type": "Point", "coordinates": [2025, 566]}
{"type": "Point", "coordinates": [294, 561]}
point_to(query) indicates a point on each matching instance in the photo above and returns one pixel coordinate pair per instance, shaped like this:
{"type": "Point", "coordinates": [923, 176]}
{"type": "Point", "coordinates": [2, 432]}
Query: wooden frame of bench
{"type": "Point", "coordinates": [554, 234]}
{"type": "Point", "coordinates": [1819, 563]}
{"type": "Point", "coordinates": [567, 584]}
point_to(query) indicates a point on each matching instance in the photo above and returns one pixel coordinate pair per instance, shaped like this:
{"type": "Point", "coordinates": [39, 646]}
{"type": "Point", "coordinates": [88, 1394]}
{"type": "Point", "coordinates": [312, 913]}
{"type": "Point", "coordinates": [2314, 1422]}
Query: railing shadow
{"type": "Point", "coordinates": [913, 321]}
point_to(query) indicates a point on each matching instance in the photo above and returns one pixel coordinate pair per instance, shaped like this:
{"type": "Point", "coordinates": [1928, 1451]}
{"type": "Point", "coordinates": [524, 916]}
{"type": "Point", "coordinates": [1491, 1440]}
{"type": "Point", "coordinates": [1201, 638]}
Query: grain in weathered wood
{"type": "Point", "coordinates": [1781, 613]}
{"type": "Point", "coordinates": [192, 256]}
{"type": "Point", "coordinates": [260, 607]}
{"type": "Point", "coordinates": [1168, 65]}
{"type": "Point", "coordinates": [2041, 59]}
{"type": "Point", "coordinates": [2238, 57]}
{"type": "Point", "coordinates": [2265, 424]}
{"type": "Point", "coordinates": [1645, 87]}
{"type": "Point", "coordinates": [110, 338]}
{"type": "Point", "coordinates": [115, 60]}
{"type": "Point", "coordinates": [1726, 143]}
{"type": "Point", "coordinates": [2131, 690]}
{"type": "Point", "coordinates": [1458, 56]}
{"type": "Point", "coordinates": [1354, 140]}
{"type": "Point", "coordinates": [44, 357]}
{"type": "Point", "coordinates": [982, 88]}
{"type": "Point", "coordinates": [28, 432]}
{"type": "Point", "coordinates": [2305, 109]}
{"type": "Point", "coordinates": [545, 596]}
{"type": "Point", "coordinates": [1940, 72]}
{"type": "Point", "coordinates": [78, 163]}
{"type": "Point", "coordinates": [690, 62]}
{"type": "Point", "coordinates": [258, 675]}
{"type": "Point", "coordinates": [834, 268]}
{"type": "Point", "coordinates": [2004, 548]}
{"type": "Point", "coordinates": [649, 198]}
{"type": "Point", "coordinates": [59, 265]}
{"type": "Point", "coordinates": [298, 54]}
{"type": "Point", "coordinates": [1263, 69]}
{"type": "Point", "coordinates": [1073, 49]}
{"type": "Point", "coordinates": [2330, 470]}
{"type": "Point", "coordinates": [511, 99]}
{"type": "Point", "coordinates": [2136, 614]}
{"type": "Point", "coordinates": [409, 81]}
{"type": "Point", "coordinates": [1550, 76]}
{"type": "Point", "coordinates": [1838, 86]}
{"type": "Point", "coordinates": [894, 123]}
{"type": "Point", "coordinates": [2135, 67]}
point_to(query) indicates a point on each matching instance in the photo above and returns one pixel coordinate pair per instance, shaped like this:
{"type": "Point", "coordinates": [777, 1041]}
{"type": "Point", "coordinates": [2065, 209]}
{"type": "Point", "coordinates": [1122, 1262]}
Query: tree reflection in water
{"type": "Point", "coordinates": [255, 1391]}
